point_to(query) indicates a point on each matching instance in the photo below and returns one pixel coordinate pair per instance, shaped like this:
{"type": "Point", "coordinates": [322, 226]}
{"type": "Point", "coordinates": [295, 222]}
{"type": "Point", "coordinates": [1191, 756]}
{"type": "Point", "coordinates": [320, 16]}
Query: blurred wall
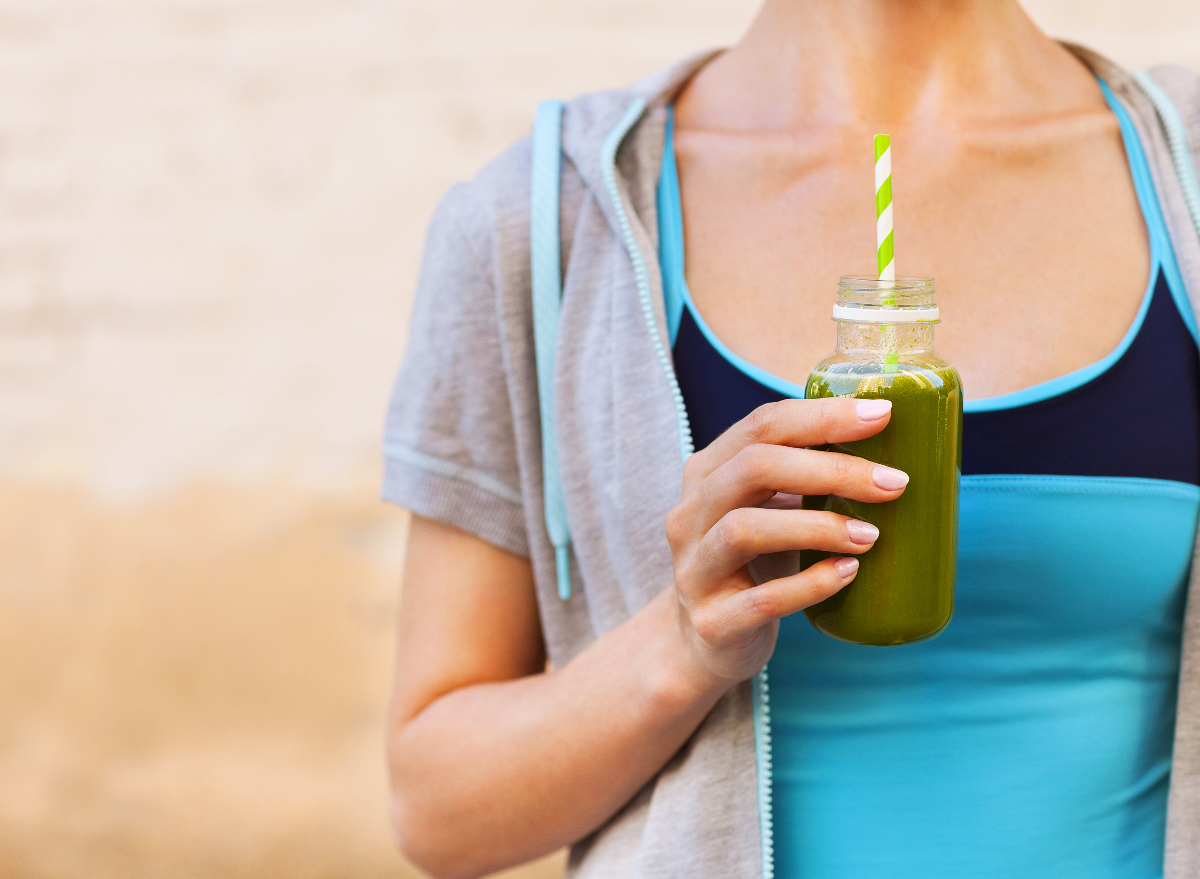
{"type": "Point", "coordinates": [211, 213]}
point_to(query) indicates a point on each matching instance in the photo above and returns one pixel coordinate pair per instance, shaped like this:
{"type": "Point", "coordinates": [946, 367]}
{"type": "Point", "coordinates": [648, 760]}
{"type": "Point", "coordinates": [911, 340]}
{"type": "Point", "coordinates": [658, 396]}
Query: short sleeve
{"type": "Point", "coordinates": [449, 443]}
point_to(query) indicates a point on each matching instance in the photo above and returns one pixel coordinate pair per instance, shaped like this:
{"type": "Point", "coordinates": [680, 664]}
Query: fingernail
{"type": "Point", "coordinates": [845, 567]}
{"type": "Point", "coordinates": [872, 410]}
{"type": "Point", "coordinates": [887, 478]}
{"type": "Point", "coordinates": [861, 532]}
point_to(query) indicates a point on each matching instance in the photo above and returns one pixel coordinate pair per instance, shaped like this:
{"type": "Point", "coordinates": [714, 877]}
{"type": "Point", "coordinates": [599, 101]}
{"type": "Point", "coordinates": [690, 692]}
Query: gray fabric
{"type": "Point", "coordinates": [463, 442]}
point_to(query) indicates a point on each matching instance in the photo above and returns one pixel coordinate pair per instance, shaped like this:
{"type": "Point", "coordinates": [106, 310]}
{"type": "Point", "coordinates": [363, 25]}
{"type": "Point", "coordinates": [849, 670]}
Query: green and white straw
{"type": "Point", "coordinates": [883, 207]}
{"type": "Point", "coordinates": [885, 246]}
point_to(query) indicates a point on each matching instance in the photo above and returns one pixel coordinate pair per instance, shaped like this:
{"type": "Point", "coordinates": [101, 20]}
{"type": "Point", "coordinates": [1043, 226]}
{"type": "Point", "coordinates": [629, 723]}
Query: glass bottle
{"type": "Point", "coordinates": [904, 591]}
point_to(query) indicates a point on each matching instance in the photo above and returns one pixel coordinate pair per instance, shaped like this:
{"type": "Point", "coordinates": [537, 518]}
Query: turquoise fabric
{"type": "Point", "coordinates": [1033, 737]}
{"type": "Point", "coordinates": [670, 234]}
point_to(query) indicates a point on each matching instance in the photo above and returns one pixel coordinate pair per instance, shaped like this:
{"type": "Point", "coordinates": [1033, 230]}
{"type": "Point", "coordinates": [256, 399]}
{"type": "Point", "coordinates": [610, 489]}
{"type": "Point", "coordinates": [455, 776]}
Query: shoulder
{"type": "Point", "coordinates": [494, 205]}
{"type": "Point", "coordinates": [500, 190]}
{"type": "Point", "coordinates": [1180, 112]}
{"type": "Point", "coordinates": [1182, 87]}
{"type": "Point", "coordinates": [1181, 83]}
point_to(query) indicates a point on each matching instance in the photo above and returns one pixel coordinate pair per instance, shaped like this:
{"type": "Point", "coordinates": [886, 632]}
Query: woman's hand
{"type": "Point", "coordinates": [720, 525]}
{"type": "Point", "coordinates": [494, 761]}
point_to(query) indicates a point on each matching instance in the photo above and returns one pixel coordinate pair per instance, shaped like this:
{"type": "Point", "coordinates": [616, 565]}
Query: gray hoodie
{"type": "Point", "coordinates": [463, 441]}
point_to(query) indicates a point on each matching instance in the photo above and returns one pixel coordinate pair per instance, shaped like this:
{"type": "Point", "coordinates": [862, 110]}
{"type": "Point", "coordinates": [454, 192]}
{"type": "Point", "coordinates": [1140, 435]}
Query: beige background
{"type": "Point", "coordinates": [210, 219]}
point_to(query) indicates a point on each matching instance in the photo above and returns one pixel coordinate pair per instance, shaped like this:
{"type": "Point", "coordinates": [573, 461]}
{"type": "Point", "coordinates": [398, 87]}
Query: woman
{"type": "Point", "coordinates": [1034, 736]}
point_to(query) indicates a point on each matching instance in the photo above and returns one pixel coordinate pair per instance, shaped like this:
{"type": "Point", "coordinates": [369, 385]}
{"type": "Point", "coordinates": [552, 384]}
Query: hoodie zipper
{"type": "Point", "coordinates": [608, 165]}
{"type": "Point", "coordinates": [1177, 140]}
{"type": "Point", "coordinates": [1185, 171]}
{"type": "Point", "coordinates": [762, 752]}
{"type": "Point", "coordinates": [760, 693]}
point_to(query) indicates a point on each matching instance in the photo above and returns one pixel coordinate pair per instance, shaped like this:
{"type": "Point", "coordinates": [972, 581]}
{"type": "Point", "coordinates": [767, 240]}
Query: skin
{"type": "Point", "coordinates": [1010, 186]}
{"type": "Point", "coordinates": [495, 760]}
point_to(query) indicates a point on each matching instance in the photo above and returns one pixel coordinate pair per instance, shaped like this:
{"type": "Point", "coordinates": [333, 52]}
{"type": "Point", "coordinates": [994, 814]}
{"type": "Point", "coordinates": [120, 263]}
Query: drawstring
{"type": "Point", "coordinates": [546, 274]}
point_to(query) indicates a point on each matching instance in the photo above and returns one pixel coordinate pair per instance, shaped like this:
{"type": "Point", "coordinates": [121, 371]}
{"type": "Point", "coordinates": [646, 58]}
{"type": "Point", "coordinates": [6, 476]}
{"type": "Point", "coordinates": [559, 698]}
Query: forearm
{"type": "Point", "coordinates": [495, 774]}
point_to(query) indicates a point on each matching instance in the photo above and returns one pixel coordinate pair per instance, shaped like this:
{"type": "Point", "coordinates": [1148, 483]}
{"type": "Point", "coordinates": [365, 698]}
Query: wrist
{"type": "Point", "coordinates": [679, 679]}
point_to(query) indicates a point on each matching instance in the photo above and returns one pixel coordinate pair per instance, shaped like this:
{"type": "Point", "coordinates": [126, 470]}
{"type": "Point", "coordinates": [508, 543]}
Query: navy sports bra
{"type": "Point", "coordinates": [1140, 417]}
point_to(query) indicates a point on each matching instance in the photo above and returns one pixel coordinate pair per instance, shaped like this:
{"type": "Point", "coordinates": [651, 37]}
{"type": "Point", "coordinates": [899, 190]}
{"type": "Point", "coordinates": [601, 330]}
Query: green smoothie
{"type": "Point", "coordinates": [904, 590]}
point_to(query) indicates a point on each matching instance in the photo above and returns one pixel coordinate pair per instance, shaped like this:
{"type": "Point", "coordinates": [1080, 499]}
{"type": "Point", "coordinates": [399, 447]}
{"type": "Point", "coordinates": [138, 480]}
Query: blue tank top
{"type": "Point", "coordinates": [1033, 737]}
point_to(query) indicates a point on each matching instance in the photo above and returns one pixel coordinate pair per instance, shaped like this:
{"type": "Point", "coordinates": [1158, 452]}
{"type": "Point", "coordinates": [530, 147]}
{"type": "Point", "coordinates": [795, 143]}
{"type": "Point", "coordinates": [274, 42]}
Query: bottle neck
{"type": "Point", "coordinates": [864, 338]}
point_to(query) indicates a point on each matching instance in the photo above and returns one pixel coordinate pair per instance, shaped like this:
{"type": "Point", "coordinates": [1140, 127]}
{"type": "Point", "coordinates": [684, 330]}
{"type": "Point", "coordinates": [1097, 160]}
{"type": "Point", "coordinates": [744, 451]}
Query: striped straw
{"type": "Point", "coordinates": [883, 237]}
{"type": "Point", "coordinates": [883, 207]}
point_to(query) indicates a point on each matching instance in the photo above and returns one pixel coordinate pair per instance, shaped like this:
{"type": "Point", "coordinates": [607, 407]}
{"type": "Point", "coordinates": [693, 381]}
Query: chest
{"type": "Point", "coordinates": [1023, 230]}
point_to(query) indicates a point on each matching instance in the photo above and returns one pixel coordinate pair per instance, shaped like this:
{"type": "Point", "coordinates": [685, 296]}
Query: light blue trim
{"type": "Point", "coordinates": [546, 276]}
{"type": "Point", "coordinates": [670, 229]}
{"type": "Point", "coordinates": [1162, 257]}
{"type": "Point", "coordinates": [761, 701]}
{"type": "Point", "coordinates": [1112, 486]}
{"type": "Point", "coordinates": [760, 375]}
{"type": "Point", "coordinates": [1186, 172]}
{"type": "Point", "coordinates": [608, 167]}
{"type": "Point", "coordinates": [1143, 183]}
{"type": "Point", "coordinates": [450, 470]}
{"type": "Point", "coordinates": [676, 294]}
{"type": "Point", "coordinates": [1072, 380]}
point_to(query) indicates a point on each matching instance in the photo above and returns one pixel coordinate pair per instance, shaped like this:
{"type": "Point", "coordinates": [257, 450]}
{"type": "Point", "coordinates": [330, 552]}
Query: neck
{"type": "Point", "coordinates": [889, 63]}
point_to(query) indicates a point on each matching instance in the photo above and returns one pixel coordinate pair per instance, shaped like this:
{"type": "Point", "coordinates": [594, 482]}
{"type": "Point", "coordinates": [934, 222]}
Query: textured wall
{"type": "Point", "coordinates": [210, 218]}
